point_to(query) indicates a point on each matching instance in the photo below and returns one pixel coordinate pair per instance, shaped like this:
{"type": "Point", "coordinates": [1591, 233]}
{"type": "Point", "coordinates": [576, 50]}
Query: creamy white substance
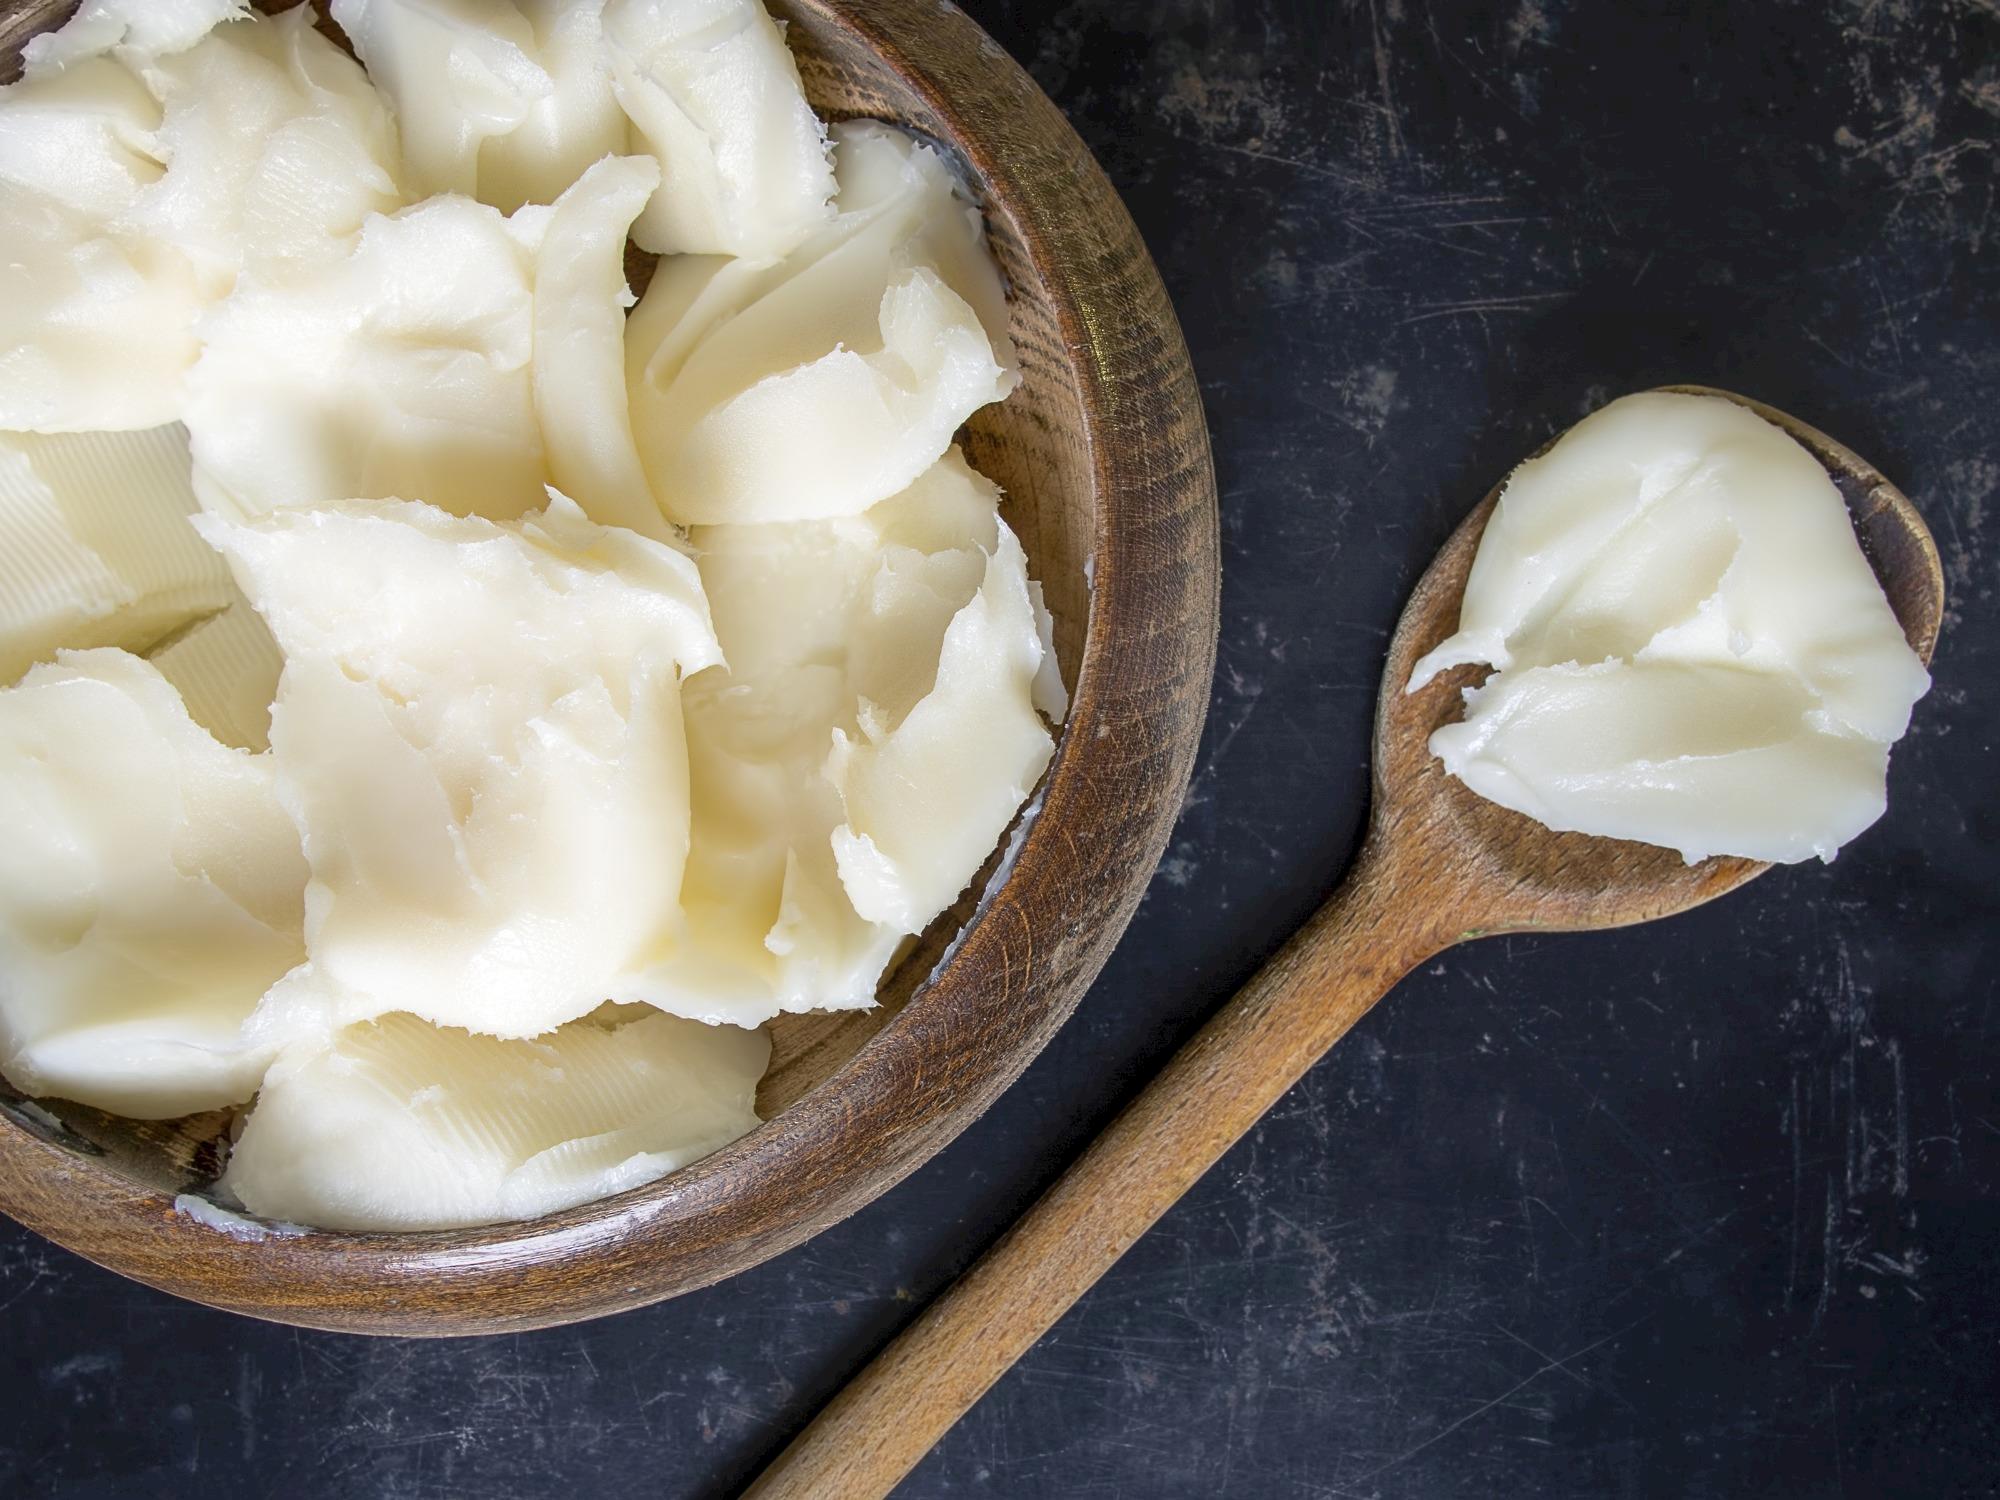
{"type": "Point", "coordinates": [928, 793]}
{"type": "Point", "coordinates": [95, 549]}
{"type": "Point", "coordinates": [136, 31]}
{"type": "Point", "coordinates": [712, 92]}
{"type": "Point", "coordinates": [459, 804]}
{"type": "Point", "coordinates": [404, 1125]}
{"type": "Point", "coordinates": [402, 369]}
{"type": "Point", "coordinates": [98, 326]}
{"type": "Point", "coordinates": [867, 346]}
{"type": "Point", "coordinates": [478, 733]}
{"type": "Point", "coordinates": [277, 150]}
{"type": "Point", "coordinates": [827, 626]}
{"type": "Point", "coordinates": [1690, 648]}
{"type": "Point", "coordinates": [150, 893]}
{"type": "Point", "coordinates": [579, 363]}
{"type": "Point", "coordinates": [506, 101]}
{"type": "Point", "coordinates": [147, 161]}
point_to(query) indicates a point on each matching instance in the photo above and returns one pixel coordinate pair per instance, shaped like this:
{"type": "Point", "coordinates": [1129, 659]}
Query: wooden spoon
{"type": "Point", "coordinates": [1439, 865]}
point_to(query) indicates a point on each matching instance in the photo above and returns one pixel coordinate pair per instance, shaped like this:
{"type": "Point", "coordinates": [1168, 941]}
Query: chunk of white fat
{"type": "Point", "coordinates": [96, 330]}
{"type": "Point", "coordinates": [95, 545]}
{"type": "Point", "coordinates": [506, 101]}
{"type": "Point", "coordinates": [479, 732]}
{"type": "Point", "coordinates": [928, 795]}
{"type": "Point", "coordinates": [150, 892]}
{"type": "Point", "coordinates": [96, 549]}
{"type": "Point", "coordinates": [576, 123]}
{"type": "Point", "coordinates": [713, 92]}
{"type": "Point", "coordinates": [133, 31]}
{"type": "Point", "coordinates": [457, 73]}
{"type": "Point", "coordinates": [813, 617]}
{"type": "Point", "coordinates": [401, 371]}
{"type": "Point", "coordinates": [277, 149]}
{"type": "Point", "coordinates": [403, 1125]}
{"type": "Point", "coordinates": [95, 335]}
{"type": "Point", "coordinates": [1692, 650]}
{"type": "Point", "coordinates": [123, 218]}
{"type": "Point", "coordinates": [85, 136]}
{"type": "Point", "coordinates": [819, 385]}
{"type": "Point", "coordinates": [579, 364]}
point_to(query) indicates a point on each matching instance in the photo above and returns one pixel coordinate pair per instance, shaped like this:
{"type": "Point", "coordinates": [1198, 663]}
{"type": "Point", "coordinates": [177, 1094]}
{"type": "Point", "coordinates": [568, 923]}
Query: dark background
{"type": "Point", "coordinates": [1708, 1208]}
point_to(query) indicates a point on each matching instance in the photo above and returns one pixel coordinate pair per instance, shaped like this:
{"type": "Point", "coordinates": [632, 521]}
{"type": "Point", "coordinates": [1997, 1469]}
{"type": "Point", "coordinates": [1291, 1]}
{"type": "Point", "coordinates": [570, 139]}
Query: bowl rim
{"type": "Point", "coordinates": [1020, 964]}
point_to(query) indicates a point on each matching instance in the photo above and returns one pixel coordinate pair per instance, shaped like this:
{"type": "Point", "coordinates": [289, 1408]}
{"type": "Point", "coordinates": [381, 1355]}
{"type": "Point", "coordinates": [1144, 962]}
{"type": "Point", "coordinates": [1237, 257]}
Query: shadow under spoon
{"type": "Point", "coordinates": [1439, 865]}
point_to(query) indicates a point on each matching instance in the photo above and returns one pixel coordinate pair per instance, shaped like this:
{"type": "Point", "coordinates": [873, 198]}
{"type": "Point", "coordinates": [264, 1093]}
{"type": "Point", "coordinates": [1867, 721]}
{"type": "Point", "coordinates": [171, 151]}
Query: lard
{"type": "Point", "coordinates": [506, 101]}
{"type": "Point", "coordinates": [822, 384]}
{"type": "Point", "coordinates": [95, 546]}
{"type": "Point", "coordinates": [827, 626]}
{"type": "Point", "coordinates": [713, 93]}
{"type": "Point", "coordinates": [400, 1124]}
{"type": "Point", "coordinates": [478, 732]}
{"type": "Point", "coordinates": [1691, 650]}
{"type": "Point", "coordinates": [579, 362]}
{"type": "Point", "coordinates": [527, 699]}
{"type": "Point", "coordinates": [150, 891]}
{"type": "Point", "coordinates": [401, 370]}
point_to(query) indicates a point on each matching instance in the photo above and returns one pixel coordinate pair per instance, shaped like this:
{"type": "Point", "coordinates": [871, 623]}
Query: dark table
{"type": "Point", "coordinates": [1708, 1208]}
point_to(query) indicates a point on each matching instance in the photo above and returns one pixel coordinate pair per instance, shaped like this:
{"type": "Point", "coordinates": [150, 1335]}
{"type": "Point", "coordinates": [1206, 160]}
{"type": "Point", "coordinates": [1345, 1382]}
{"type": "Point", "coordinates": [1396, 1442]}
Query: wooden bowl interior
{"type": "Point", "coordinates": [1034, 446]}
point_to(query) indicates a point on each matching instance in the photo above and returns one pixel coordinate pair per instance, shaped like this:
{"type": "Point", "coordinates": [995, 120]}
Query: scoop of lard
{"type": "Point", "coordinates": [399, 1124]}
{"type": "Point", "coordinates": [579, 341]}
{"type": "Point", "coordinates": [150, 892]}
{"type": "Point", "coordinates": [134, 31]}
{"type": "Point", "coordinates": [85, 136]}
{"type": "Point", "coordinates": [98, 329]}
{"type": "Point", "coordinates": [95, 546]}
{"type": "Point", "coordinates": [927, 795]}
{"type": "Point", "coordinates": [149, 156]}
{"type": "Point", "coordinates": [451, 354]}
{"type": "Point", "coordinates": [1691, 649]}
{"type": "Point", "coordinates": [534, 91]}
{"type": "Point", "coordinates": [277, 148]}
{"type": "Point", "coordinates": [506, 101]}
{"type": "Point", "coordinates": [864, 350]}
{"type": "Point", "coordinates": [402, 369]}
{"type": "Point", "coordinates": [478, 733]}
{"type": "Point", "coordinates": [825, 625]}
{"type": "Point", "coordinates": [96, 550]}
{"type": "Point", "coordinates": [713, 93]}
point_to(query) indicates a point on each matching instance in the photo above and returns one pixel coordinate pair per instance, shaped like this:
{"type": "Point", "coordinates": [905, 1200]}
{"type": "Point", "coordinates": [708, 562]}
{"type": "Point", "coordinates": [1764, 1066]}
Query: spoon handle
{"type": "Point", "coordinates": [1373, 931]}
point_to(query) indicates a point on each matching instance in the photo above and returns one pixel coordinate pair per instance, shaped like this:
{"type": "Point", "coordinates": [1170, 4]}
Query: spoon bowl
{"type": "Point", "coordinates": [1511, 873]}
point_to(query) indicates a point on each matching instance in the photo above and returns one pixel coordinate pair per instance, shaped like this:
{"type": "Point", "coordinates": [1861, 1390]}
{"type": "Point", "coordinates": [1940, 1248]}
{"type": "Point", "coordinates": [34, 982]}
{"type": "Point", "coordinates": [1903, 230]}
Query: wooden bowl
{"type": "Point", "coordinates": [1105, 461]}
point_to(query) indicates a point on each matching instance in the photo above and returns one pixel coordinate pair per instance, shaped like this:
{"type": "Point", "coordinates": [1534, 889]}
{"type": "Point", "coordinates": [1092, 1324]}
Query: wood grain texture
{"type": "Point", "coordinates": [1439, 865]}
{"type": "Point", "coordinates": [1104, 455]}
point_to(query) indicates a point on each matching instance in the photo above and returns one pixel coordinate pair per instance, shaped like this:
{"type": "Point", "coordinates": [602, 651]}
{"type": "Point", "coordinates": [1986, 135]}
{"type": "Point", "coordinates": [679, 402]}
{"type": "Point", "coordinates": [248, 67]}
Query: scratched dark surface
{"type": "Point", "coordinates": [1711, 1208]}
